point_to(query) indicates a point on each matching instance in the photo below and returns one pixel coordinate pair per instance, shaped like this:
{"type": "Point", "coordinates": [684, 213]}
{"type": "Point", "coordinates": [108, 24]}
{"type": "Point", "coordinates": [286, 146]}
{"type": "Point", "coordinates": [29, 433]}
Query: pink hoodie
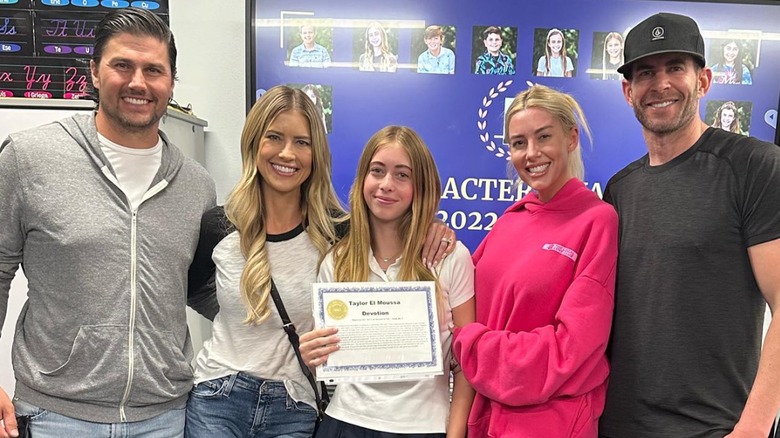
{"type": "Point", "coordinates": [545, 282]}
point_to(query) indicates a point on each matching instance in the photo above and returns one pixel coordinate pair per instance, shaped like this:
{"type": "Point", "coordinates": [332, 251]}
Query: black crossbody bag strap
{"type": "Point", "coordinates": [289, 328]}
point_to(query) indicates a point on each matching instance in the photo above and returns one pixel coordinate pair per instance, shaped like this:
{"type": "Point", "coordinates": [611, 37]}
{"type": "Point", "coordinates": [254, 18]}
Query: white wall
{"type": "Point", "coordinates": [211, 40]}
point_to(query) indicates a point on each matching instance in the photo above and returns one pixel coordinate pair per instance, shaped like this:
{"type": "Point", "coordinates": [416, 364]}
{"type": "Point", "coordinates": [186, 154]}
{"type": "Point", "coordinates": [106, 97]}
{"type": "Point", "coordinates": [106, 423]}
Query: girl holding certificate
{"type": "Point", "coordinates": [545, 282]}
{"type": "Point", "coordinates": [393, 199]}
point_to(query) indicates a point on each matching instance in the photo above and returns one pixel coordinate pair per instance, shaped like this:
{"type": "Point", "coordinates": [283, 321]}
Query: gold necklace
{"type": "Point", "coordinates": [387, 259]}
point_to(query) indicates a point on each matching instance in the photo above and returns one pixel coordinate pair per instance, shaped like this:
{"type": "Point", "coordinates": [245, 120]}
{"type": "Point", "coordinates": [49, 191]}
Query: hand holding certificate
{"type": "Point", "coordinates": [388, 331]}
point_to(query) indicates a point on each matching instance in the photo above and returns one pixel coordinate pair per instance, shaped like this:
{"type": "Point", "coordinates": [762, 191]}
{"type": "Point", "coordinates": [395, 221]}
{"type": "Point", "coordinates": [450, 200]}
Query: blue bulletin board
{"type": "Point", "coordinates": [460, 115]}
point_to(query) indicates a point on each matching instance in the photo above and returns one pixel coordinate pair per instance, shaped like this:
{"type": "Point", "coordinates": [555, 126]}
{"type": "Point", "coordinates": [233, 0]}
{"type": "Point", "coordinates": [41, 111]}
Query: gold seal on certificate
{"type": "Point", "coordinates": [337, 309]}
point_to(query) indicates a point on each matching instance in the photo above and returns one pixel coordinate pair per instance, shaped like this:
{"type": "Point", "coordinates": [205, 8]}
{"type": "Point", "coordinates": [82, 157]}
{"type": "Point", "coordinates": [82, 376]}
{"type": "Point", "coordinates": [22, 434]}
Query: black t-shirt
{"type": "Point", "coordinates": [686, 335]}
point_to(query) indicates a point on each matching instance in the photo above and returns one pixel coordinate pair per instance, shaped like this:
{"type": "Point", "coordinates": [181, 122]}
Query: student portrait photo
{"type": "Point", "coordinates": [607, 56]}
{"type": "Point", "coordinates": [436, 48]}
{"type": "Point", "coordinates": [730, 115]}
{"type": "Point", "coordinates": [732, 60]}
{"type": "Point", "coordinates": [494, 50]}
{"type": "Point", "coordinates": [555, 52]}
{"type": "Point", "coordinates": [375, 48]}
{"type": "Point", "coordinates": [310, 46]}
{"type": "Point", "coordinates": [322, 97]}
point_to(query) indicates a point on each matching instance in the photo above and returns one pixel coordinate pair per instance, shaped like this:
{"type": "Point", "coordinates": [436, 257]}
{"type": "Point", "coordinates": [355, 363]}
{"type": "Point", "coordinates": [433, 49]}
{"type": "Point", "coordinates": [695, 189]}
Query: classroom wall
{"type": "Point", "coordinates": [211, 42]}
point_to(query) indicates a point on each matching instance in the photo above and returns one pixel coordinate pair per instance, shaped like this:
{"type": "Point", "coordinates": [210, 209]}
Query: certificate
{"type": "Point", "coordinates": [389, 331]}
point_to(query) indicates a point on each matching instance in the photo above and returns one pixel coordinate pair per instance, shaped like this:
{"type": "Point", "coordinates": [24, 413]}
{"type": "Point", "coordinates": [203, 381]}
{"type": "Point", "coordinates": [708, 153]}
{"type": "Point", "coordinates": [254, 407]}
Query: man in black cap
{"type": "Point", "coordinates": [699, 256]}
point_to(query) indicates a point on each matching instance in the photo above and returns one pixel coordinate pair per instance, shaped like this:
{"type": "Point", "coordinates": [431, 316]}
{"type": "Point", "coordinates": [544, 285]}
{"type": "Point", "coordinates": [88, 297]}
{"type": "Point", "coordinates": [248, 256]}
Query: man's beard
{"type": "Point", "coordinates": [669, 126]}
{"type": "Point", "coordinates": [128, 124]}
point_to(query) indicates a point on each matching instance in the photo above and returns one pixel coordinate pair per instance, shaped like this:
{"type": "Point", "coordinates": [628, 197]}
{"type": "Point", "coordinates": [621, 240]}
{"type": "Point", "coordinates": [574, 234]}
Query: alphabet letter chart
{"type": "Point", "coordinates": [46, 45]}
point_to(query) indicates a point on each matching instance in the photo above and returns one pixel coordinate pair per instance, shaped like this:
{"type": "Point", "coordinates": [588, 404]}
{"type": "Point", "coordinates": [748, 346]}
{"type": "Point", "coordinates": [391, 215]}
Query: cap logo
{"type": "Point", "coordinates": [658, 33]}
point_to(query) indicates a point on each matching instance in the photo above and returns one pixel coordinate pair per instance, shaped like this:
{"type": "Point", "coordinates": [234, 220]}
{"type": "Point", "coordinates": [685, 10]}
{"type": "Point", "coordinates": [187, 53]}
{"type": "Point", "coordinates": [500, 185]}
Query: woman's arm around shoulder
{"type": "Point", "coordinates": [201, 287]}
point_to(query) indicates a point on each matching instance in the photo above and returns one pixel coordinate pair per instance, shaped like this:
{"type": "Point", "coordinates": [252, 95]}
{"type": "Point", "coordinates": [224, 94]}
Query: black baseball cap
{"type": "Point", "coordinates": [663, 33]}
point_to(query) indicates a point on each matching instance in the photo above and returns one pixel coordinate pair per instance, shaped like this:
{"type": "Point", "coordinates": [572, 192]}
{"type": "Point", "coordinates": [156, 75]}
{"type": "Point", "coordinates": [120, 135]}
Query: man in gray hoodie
{"type": "Point", "coordinates": [104, 214]}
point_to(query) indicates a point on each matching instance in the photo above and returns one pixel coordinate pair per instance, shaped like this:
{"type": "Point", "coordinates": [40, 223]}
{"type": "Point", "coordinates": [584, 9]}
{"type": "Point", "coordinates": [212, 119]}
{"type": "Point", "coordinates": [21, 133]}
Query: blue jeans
{"type": "Point", "coordinates": [333, 428]}
{"type": "Point", "coordinates": [47, 424]}
{"type": "Point", "coordinates": [242, 406]}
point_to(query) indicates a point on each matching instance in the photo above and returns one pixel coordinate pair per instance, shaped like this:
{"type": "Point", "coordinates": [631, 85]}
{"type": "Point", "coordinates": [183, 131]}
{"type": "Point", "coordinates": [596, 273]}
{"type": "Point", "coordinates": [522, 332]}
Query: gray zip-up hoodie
{"type": "Point", "coordinates": [103, 336]}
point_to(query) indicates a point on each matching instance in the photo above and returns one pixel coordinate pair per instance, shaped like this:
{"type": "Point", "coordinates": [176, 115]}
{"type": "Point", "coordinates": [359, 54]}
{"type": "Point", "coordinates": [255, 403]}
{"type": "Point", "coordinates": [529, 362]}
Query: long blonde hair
{"type": "Point", "coordinates": [561, 106]}
{"type": "Point", "coordinates": [320, 207]}
{"type": "Point", "coordinates": [388, 62]}
{"type": "Point", "coordinates": [604, 59]}
{"type": "Point", "coordinates": [351, 253]}
{"type": "Point", "coordinates": [548, 52]}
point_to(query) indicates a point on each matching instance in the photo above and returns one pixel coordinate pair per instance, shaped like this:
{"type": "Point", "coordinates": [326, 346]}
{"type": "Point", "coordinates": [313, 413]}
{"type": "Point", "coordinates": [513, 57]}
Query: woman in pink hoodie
{"type": "Point", "coordinates": [545, 281]}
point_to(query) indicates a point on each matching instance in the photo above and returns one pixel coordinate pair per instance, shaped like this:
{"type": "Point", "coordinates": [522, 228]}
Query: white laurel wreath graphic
{"type": "Point", "coordinates": [484, 135]}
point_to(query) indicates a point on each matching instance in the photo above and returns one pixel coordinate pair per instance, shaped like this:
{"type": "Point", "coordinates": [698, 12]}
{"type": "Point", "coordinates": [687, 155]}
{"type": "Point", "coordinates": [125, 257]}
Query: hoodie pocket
{"type": "Point", "coordinates": [585, 424]}
{"type": "Point", "coordinates": [95, 370]}
{"type": "Point", "coordinates": [162, 370]}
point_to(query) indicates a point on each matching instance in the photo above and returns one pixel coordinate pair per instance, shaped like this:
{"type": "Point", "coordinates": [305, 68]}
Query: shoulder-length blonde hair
{"type": "Point", "coordinates": [561, 106]}
{"type": "Point", "coordinates": [320, 207]}
{"type": "Point", "coordinates": [351, 253]}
